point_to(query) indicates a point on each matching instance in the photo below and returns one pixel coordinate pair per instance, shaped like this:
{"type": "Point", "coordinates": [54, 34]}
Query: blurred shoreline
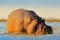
{"type": "Point", "coordinates": [46, 20]}
{"type": "Point", "coordinates": [50, 20]}
{"type": "Point", "coordinates": [3, 20]}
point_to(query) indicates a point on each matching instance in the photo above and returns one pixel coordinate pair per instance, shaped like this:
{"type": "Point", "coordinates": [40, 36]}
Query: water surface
{"type": "Point", "coordinates": [54, 36]}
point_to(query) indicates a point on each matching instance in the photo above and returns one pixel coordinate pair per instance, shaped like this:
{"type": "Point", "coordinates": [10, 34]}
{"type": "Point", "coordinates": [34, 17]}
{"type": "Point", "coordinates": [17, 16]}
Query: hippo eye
{"type": "Point", "coordinates": [32, 19]}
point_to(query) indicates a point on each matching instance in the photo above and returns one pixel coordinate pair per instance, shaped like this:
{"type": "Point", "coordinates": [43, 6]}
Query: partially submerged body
{"type": "Point", "coordinates": [25, 21]}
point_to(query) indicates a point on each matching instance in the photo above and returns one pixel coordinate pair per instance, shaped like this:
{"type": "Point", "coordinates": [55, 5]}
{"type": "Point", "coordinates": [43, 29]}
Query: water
{"type": "Point", "coordinates": [54, 36]}
{"type": "Point", "coordinates": [2, 27]}
{"type": "Point", "coordinates": [54, 24]}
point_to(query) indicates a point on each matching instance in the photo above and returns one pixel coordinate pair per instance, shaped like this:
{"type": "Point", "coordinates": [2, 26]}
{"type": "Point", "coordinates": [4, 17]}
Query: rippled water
{"type": "Point", "coordinates": [54, 36]}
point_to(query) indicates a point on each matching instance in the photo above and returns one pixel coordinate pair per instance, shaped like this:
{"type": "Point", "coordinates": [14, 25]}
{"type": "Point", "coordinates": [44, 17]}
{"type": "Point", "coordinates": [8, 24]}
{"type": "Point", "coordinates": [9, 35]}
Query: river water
{"type": "Point", "coordinates": [54, 36]}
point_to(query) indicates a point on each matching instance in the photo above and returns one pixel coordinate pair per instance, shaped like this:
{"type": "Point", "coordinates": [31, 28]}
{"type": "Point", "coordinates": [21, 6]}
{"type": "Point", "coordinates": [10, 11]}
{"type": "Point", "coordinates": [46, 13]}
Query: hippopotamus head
{"type": "Point", "coordinates": [43, 28]}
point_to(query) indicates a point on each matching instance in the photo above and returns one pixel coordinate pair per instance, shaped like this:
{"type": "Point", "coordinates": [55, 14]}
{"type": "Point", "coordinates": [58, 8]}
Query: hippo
{"type": "Point", "coordinates": [25, 21]}
{"type": "Point", "coordinates": [22, 20]}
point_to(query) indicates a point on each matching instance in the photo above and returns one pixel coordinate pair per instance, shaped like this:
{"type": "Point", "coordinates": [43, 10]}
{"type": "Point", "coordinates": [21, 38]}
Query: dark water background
{"type": "Point", "coordinates": [54, 36]}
